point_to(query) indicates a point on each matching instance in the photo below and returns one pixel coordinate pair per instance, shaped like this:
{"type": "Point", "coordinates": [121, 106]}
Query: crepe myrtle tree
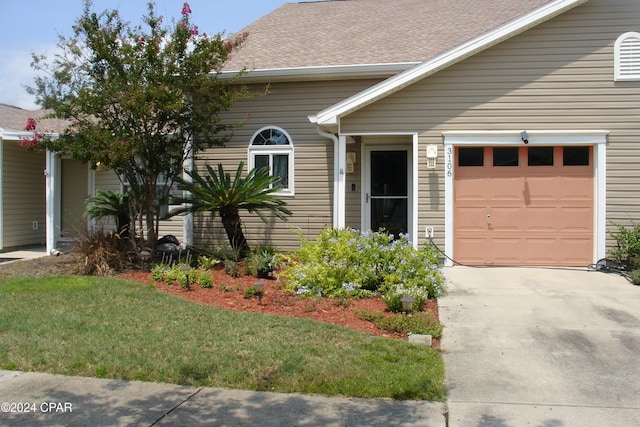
{"type": "Point", "coordinates": [139, 100]}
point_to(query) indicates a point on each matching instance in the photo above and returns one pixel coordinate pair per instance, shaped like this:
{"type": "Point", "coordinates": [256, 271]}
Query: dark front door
{"type": "Point", "coordinates": [388, 196]}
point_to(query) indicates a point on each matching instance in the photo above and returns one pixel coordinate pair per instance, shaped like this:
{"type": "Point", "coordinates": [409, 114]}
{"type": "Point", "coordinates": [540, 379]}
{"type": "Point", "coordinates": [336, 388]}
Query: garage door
{"type": "Point", "coordinates": [524, 205]}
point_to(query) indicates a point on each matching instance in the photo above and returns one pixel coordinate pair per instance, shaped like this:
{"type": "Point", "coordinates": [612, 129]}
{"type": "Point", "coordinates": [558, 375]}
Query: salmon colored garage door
{"type": "Point", "coordinates": [524, 205]}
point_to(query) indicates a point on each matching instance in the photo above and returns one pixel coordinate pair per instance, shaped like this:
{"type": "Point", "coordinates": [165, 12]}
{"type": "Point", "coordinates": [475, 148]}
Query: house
{"type": "Point", "coordinates": [506, 130]}
{"type": "Point", "coordinates": [43, 194]}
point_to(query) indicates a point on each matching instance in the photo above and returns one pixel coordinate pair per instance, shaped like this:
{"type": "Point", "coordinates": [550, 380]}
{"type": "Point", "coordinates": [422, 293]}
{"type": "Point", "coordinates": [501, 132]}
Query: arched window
{"type": "Point", "coordinates": [271, 146]}
{"type": "Point", "coordinates": [627, 57]}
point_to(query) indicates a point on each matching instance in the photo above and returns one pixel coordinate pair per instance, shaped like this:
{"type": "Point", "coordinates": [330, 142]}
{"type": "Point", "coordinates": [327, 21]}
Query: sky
{"type": "Point", "coordinates": [33, 26]}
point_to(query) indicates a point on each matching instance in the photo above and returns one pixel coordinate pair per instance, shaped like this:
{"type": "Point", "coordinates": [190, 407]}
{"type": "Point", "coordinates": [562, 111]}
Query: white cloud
{"type": "Point", "coordinates": [15, 74]}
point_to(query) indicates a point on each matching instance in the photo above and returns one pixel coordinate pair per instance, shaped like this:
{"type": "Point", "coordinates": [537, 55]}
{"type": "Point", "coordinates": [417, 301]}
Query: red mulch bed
{"type": "Point", "coordinates": [228, 293]}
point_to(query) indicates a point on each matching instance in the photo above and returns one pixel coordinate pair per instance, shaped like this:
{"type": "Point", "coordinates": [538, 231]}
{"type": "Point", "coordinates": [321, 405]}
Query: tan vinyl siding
{"type": "Point", "coordinates": [23, 190]}
{"type": "Point", "coordinates": [557, 76]}
{"type": "Point", "coordinates": [353, 197]}
{"type": "Point", "coordinates": [287, 106]}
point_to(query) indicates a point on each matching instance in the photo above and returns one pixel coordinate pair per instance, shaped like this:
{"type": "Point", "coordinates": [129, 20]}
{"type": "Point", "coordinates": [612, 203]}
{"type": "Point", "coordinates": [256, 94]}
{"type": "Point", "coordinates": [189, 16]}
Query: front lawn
{"type": "Point", "coordinates": [104, 327]}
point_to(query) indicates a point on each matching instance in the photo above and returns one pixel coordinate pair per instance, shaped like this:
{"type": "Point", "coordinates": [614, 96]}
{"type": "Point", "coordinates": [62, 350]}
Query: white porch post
{"type": "Point", "coordinates": [340, 186]}
{"type": "Point", "coordinates": [50, 201]}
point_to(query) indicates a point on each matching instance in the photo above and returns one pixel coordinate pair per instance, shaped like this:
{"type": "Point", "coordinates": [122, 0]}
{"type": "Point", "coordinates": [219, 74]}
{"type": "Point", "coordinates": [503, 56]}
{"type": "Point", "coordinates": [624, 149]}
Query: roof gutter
{"type": "Point", "coordinates": [330, 116]}
{"type": "Point", "coordinates": [342, 72]}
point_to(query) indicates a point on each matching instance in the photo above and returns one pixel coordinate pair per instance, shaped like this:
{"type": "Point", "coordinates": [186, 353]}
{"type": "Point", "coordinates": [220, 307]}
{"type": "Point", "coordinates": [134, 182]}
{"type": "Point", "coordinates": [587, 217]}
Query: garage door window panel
{"type": "Point", "coordinates": [505, 156]}
{"type": "Point", "coordinates": [540, 156]}
{"type": "Point", "coordinates": [576, 156]}
{"type": "Point", "coordinates": [471, 156]}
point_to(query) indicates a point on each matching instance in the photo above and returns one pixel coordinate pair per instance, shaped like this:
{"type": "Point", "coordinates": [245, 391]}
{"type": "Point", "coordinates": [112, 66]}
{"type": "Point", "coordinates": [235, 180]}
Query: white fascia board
{"type": "Point", "coordinates": [17, 135]}
{"type": "Point", "coordinates": [319, 73]}
{"type": "Point", "coordinates": [431, 66]}
{"type": "Point", "coordinates": [536, 137]}
{"type": "Point", "coordinates": [14, 135]}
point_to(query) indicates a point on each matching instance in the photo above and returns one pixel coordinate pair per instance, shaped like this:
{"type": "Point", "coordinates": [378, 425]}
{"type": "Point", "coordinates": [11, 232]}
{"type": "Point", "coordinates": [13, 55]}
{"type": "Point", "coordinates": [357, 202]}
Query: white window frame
{"type": "Point", "coordinates": [272, 150]}
{"type": "Point", "coordinates": [627, 57]}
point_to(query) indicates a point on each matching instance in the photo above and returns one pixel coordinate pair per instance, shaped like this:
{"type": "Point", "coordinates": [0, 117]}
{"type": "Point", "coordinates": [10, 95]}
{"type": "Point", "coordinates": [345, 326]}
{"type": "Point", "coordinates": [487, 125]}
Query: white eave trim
{"type": "Point", "coordinates": [14, 135]}
{"type": "Point", "coordinates": [503, 32]}
{"type": "Point", "coordinates": [320, 73]}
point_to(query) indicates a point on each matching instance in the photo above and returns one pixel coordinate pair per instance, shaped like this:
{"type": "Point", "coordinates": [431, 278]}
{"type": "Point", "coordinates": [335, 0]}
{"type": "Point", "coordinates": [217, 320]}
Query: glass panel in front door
{"type": "Point", "coordinates": [389, 191]}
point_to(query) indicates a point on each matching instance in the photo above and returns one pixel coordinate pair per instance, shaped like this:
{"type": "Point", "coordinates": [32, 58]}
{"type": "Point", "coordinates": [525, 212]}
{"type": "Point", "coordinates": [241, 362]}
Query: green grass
{"type": "Point", "coordinates": [102, 327]}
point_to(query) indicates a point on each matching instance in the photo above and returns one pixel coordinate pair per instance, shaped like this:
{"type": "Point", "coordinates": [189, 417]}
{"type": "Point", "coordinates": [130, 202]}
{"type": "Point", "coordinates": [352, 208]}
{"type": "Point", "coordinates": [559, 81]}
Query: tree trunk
{"type": "Point", "coordinates": [233, 226]}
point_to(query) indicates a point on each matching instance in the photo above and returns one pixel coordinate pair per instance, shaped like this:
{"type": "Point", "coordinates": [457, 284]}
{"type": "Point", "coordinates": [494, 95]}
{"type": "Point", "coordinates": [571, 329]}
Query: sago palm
{"type": "Point", "coordinates": [217, 192]}
{"type": "Point", "coordinates": [110, 204]}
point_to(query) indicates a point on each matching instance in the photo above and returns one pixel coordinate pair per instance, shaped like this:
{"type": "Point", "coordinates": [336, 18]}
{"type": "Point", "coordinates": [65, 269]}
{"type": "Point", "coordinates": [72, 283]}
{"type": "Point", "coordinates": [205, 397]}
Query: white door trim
{"type": "Point", "coordinates": [596, 138]}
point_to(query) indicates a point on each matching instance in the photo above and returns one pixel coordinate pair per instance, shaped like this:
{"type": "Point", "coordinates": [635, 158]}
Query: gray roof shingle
{"type": "Point", "coordinates": [349, 32]}
{"type": "Point", "coordinates": [15, 119]}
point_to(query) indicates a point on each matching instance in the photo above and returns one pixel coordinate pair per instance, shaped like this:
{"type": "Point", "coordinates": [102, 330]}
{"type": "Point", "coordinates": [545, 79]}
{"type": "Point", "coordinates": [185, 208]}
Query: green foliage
{"type": "Point", "coordinates": [393, 297]}
{"type": "Point", "coordinates": [634, 276]}
{"type": "Point", "coordinates": [136, 97]}
{"type": "Point", "coordinates": [262, 262]}
{"type": "Point", "coordinates": [419, 323]}
{"type": "Point", "coordinates": [206, 263]}
{"type": "Point", "coordinates": [218, 192]}
{"type": "Point", "coordinates": [204, 279]}
{"type": "Point", "coordinates": [627, 251]}
{"type": "Point", "coordinates": [159, 272]}
{"type": "Point", "coordinates": [250, 292]}
{"type": "Point", "coordinates": [347, 263]}
{"type": "Point", "coordinates": [232, 268]}
{"type": "Point", "coordinates": [109, 204]}
{"type": "Point", "coordinates": [183, 274]}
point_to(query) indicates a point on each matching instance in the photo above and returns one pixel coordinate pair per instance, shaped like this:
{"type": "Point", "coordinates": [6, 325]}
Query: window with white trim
{"type": "Point", "coordinates": [272, 146]}
{"type": "Point", "coordinates": [627, 57]}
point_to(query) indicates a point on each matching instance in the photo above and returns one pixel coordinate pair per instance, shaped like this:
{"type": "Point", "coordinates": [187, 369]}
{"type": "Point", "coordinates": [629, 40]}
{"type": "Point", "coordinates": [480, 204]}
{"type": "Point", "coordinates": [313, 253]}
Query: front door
{"type": "Point", "coordinates": [387, 193]}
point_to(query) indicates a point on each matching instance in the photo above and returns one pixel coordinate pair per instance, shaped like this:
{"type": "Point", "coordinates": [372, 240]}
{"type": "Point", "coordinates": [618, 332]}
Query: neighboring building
{"type": "Point", "coordinates": [530, 108]}
{"type": "Point", "coordinates": [42, 194]}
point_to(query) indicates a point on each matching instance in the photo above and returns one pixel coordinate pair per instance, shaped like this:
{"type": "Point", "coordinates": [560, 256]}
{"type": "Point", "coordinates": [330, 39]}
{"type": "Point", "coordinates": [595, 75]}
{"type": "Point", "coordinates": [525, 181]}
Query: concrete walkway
{"type": "Point", "coordinates": [56, 400]}
{"type": "Point", "coordinates": [541, 347]}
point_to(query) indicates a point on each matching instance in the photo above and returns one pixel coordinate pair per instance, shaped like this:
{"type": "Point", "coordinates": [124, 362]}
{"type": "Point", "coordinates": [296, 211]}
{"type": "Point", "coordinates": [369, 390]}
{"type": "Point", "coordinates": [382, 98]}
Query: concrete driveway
{"type": "Point", "coordinates": [541, 347]}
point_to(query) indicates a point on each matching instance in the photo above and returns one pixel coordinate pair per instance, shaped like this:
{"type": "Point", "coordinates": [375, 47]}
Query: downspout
{"type": "Point", "coordinates": [338, 179]}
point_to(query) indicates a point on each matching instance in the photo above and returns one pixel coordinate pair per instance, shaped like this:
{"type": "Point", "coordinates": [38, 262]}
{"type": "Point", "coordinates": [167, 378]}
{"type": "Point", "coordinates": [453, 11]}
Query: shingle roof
{"type": "Point", "coordinates": [15, 119]}
{"type": "Point", "coordinates": [348, 32]}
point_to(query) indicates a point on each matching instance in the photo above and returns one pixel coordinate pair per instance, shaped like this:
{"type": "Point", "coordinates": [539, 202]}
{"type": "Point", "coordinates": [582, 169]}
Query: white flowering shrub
{"type": "Point", "coordinates": [347, 263]}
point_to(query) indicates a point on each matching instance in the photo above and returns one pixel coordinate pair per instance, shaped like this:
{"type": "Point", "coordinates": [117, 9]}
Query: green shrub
{"type": "Point", "coordinates": [393, 297]}
{"type": "Point", "coordinates": [262, 262]}
{"type": "Point", "coordinates": [250, 292]}
{"type": "Point", "coordinates": [635, 277]}
{"type": "Point", "coordinates": [206, 262]}
{"type": "Point", "coordinates": [627, 251]}
{"type": "Point", "coordinates": [347, 263]}
{"type": "Point", "coordinates": [158, 272]}
{"type": "Point", "coordinates": [420, 323]}
{"type": "Point", "coordinates": [232, 268]}
{"type": "Point", "coordinates": [183, 274]}
{"type": "Point", "coordinates": [204, 279]}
